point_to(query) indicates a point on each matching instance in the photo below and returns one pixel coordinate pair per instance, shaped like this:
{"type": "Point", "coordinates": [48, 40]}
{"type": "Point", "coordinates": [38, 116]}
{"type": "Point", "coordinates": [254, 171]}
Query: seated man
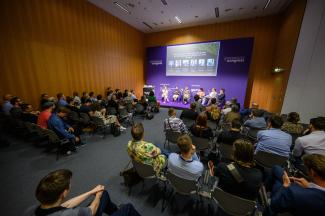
{"type": "Point", "coordinates": [28, 114]}
{"type": "Point", "coordinates": [61, 100]}
{"type": "Point", "coordinates": [189, 113]}
{"type": "Point", "coordinates": [273, 140]}
{"type": "Point", "coordinates": [249, 180]}
{"type": "Point", "coordinates": [227, 108]}
{"type": "Point", "coordinates": [173, 123]}
{"type": "Point", "coordinates": [297, 196]}
{"type": "Point", "coordinates": [61, 128]}
{"type": "Point", "coordinates": [314, 143]}
{"type": "Point", "coordinates": [256, 120]}
{"type": "Point", "coordinates": [86, 107]}
{"type": "Point", "coordinates": [6, 106]}
{"type": "Point", "coordinates": [54, 188]}
{"type": "Point", "coordinates": [145, 152]}
{"type": "Point", "coordinates": [185, 165]}
{"type": "Point", "coordinates": [199, 108]}
{"type": "Point", "coordinates": [44, 116]}
{"type": "Point", "coordinates": [16, 110]}
{"type": "Point", "coordinates": [229, 137]}
{"type": "Point", "coordinates": [232, 115]}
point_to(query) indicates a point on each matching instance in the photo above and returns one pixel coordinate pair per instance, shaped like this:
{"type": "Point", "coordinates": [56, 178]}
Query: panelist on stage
{"type": "Point", "coordinates": [164, 95]}
{"type": "Point", "coordinates": [221, 97]}
{"type": "Point", "coordinates": [176, 94]}
{"type": "Point", "coordinates": [207, 98]}
{"type": "Point", "coordinates": [186, 95]}
{"type": "Point", "coordinates": [201, 93]}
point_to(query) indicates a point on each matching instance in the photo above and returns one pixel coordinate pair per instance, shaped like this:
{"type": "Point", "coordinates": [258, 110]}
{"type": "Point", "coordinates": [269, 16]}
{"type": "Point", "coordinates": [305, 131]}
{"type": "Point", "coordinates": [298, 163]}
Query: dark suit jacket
{"type": "Point", "coordinates": [298, 201]}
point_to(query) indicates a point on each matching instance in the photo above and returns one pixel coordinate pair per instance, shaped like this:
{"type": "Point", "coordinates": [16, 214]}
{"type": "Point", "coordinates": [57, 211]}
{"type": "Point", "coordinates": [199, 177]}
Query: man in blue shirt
{"type": "Point", "coordinates": [185, 165]}
{"type": "Point", "coordinates": [257, 121]}
{"type": "Point", "coordinates": [274, 140]}
{"type": "Point", "coordinates": [6, 106]}
{"type": "Point", "coordinates": [61, 100]}
{"type": "Point", "coordinates": [297, 196]}
{"type": "Point", "coordinates": [61, 128]}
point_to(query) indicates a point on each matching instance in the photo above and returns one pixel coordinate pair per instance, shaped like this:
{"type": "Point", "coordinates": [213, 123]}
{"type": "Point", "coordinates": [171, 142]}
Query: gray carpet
{"type": "Point", "coordinates": [99, 162]}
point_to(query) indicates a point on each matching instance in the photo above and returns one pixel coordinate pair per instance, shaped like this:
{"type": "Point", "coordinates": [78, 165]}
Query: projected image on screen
{"type": "Point", "coordinates": [199, 59]}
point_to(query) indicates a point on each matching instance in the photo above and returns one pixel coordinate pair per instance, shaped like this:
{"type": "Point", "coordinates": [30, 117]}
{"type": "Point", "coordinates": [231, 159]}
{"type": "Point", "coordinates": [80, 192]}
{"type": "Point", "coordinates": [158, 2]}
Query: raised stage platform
{"type": "Point", "coordinates": [177, 105]}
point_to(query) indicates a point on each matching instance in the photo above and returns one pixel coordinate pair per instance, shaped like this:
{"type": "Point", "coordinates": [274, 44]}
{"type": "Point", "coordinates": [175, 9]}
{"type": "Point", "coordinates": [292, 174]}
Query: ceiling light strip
{"type": "Point", "coordinates": [267, 4]}
{"type": "Point", "coordinates": [164, 2]}
{"type": "Point", "coordinates": [149, 26]}
{"type": "Point", "coordinates": [178, 19]}
{"type": "Point", "coordinates": [122, 7]}
{"type": "Point", "coordinates": [216, 12]}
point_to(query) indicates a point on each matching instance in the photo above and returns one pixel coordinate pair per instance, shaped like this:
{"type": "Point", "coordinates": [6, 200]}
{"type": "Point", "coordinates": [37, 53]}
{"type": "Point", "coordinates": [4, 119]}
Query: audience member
{"type": "Point", "coordinates": [201, 94]}
{"type": "Point", "coordinates": [314, 143]}
{"type": "Point", "coordinates": [200, 128]}
{"type": "Point", "coordinates": [44, 116]}
{"type": "Point", "coordinates": [62, 129]}
{"type": "Point", "coordinates": [113, 102]}
{"type": "Point", "coordinates": [173, 123]}
{"type": "Point", "coordinates": [133, 96]}
{"type": "Point", "coordinates": [291, 125]}
{"type": "Point", "coordinates": [28, 114]}
{"type": "Point", "coordinates": [213, 111]}
{"type": "Point", "coordinates": [185, 165]}
{"type": "Point", "coordinates": [145, 152]}
{"type": "Point", "coordinates": [227, 108]}
{"type": "Point", "coordinates": [273, 140]}
{"type": "Point", "coordinates": [256, 120]}
{"type": "Point", "coordinates": [92, 97]}
{"type": "Point", "coordinates": [6, 106]}
{"type": "Point", "coordinates": [189, 113]}
{"type": "Point", "coordinates": [152, 97]}
{"type": "Point", "coordinates": [247, 112]}
{"type": "Point", "coordinates": [86, 107]}
{"type": "Point", "coordinates": [84, 97]}
{"type": "Point", "coordinates": [61, 100]}
{"type": "Point", "coordinates": [233, 114]}
{"type": "Point", "coordinates": [234, 101]}
{"type": "Point", "coordinates": [199, 108]}
{"type": "Point", "coordinates": [143, 102]}
{"type": "Point", "coordinates": [230, 136]}
{"type": "Point", "coordinates": [109, 95]}
{"type": "Point", "coordinates": [76, 99]}
{"type": "Point", "coordinates": [55, 187]}
{"type": "Point", "coordinates": [207, 99]}
{"type": "Point", "coordinates": [240, 178]}
{"type": "Point", "coordinates": [16, 110]}
{"type": "Point", "coordinates": [298, 196]}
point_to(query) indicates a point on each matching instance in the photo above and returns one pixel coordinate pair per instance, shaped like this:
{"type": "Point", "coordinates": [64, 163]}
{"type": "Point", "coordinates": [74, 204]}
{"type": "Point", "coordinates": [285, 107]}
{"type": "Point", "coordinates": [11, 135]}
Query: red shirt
{"type": "Point", "coordinates": [43, 118]}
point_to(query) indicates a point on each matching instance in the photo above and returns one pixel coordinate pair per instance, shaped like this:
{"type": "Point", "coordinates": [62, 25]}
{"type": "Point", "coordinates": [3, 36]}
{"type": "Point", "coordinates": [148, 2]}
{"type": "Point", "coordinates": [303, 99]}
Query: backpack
{"type": "Point", "coordinates": [215, 114]}
{"type": "Point", "coordinates": [115, 130]}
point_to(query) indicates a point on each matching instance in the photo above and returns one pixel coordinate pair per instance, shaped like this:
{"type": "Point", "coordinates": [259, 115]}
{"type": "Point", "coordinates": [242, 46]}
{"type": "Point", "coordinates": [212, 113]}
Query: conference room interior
{"type": "Point", "coordinates": [162, 107]}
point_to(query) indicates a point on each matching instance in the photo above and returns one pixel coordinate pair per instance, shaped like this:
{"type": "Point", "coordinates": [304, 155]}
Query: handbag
{"type": "Point", "coordinates": [130, 176]}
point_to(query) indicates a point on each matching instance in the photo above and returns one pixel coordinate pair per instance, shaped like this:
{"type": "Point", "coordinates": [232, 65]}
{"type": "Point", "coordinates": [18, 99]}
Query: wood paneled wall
{"type": "Point", "coordinates": [274, 45]}
{"type": "Point", "coordinates": [66, 45]}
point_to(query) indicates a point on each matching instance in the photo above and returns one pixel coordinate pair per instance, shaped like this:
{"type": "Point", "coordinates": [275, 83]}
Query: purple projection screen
{"type": "Point", "coordinates": [232, 71]}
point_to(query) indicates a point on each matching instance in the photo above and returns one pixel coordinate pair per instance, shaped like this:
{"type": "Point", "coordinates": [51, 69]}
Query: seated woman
{"type": "Point", "coordinates": [186, 95]}
{"type": "Point", "coordinates": [164, 95]}
{"type": "Point", "coordinates": [143, 102]}
{"type": "Point", "coordinates": [291, 125]}
{"type": "Point", "coordinates": [248, 182]}
{"type": "Point", "coordinates": [200, 128]}
{"type": "Point", "coordinates": [213, 111]}
{"type": "Point", "coordinates": [176, 94]}
{"type": "Point", "coordinates": [100, 112]}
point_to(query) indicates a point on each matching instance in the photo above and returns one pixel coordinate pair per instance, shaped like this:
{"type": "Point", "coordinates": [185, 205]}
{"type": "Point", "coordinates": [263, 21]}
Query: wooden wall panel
{"type": "Point", "coordinates": [63, 46]}
{"type": "Point", "coordinates": [275, 39]}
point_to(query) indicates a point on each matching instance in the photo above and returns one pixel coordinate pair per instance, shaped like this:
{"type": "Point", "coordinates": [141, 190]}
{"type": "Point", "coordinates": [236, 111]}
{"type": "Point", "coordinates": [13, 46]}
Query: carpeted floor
{"type": "Point", "coordinates": [22, 165]}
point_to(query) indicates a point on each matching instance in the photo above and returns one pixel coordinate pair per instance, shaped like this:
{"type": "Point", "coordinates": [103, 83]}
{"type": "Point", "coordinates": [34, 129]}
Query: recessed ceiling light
{"type": "Point", "coordinates": [122, 7]}
{"type": "Point", "coordinates": [267, 4]}
{"type": "Point", "coordinates": [178, 19]}
{"type": "Point", "coordinates": [196, 16]}
{"type": "Point", "coordinates": [228, 9]}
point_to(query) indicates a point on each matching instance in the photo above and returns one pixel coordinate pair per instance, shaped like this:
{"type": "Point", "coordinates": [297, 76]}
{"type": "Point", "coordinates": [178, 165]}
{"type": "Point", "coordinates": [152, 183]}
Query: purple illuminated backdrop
{"type": "Point", "coordinates": [232, 74]}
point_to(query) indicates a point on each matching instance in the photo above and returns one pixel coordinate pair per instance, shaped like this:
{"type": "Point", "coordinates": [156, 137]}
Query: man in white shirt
{"type": "Point", "coordinates": [314, 143]}
{"type": "Point", "coordinates": [185, 165]}
{"type": "Point", "coordinates": [212, 94]}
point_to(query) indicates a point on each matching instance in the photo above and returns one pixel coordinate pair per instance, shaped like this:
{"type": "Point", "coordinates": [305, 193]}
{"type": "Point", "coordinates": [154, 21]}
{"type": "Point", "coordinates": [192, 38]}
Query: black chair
{"type": "Point", "coordinates": [100, 126]}
{"type": "Point", "coordinates": [125, 117]}
{"type": "Point", "coordinates": [200, 143]}
{"type": "Point", "coordinates": [252, 132]}
{"type": "Point", "coordinates": [188, 122]}
{"type": "Point", "coordinates": [145, 171]}
{"type": "Point", "coordinates": [111, 111]}
{"type": "Point", "coordinates": [268, 160]}
{"type": "Point", "coordinates": [233, 205]}
{"type": "Point", "coordinates": [227, 151]}
{"type": "Point", "coordinates": [139, 110]}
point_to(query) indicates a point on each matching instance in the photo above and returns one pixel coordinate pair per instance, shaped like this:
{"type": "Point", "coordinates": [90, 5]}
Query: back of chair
{"type": "Point", "coordinates": [227, 151]}
{"type": "Point", "coordinates": [145, 171]}
{"type": "Point", "coordinates": [139, 108]}
{"type": "Point", "coordinates": [252, 132]}
{"type": "Point", "coordinates": [172, 136]}
{"type": "Point", "coordinates": [111, 110]}
{"type": "Point", "coordinates": [233, 205]}
{"type": "Point", "coordinates": [188, 122]}
{"type": "Point", "coordinates": [181, 186]}
{"type": "Point", "coordinates": [268, 160]}
{"type": "Point", "coordinates": [201, 143]}
{"type": "Point", "coordinates": [53, 137]}
{"type": "Point", "coordinates": [123, 112]}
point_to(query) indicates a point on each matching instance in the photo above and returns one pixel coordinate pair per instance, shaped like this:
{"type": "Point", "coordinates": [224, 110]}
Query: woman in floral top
{"type": "Point", "coordinates": [291, 125]}
{"type": "Point", "coordinates": [145, 152]}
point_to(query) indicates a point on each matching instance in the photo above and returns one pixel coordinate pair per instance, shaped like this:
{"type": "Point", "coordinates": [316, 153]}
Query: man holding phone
{"type": "Point", "coordinates": [299, 196]}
